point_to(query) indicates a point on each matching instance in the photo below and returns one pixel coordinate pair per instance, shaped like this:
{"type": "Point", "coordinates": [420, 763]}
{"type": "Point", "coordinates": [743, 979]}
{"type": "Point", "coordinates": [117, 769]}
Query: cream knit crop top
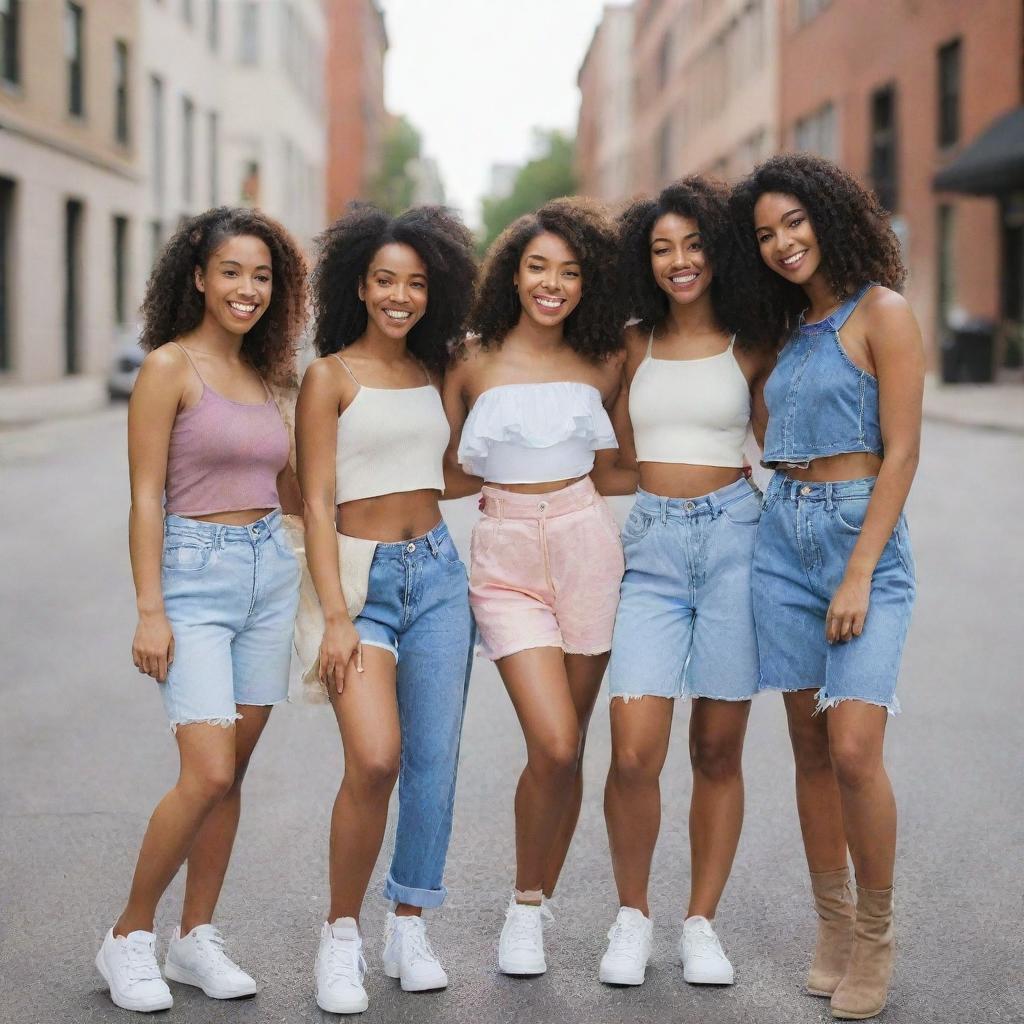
{"type": "Point", "coordinates": [390, 440]}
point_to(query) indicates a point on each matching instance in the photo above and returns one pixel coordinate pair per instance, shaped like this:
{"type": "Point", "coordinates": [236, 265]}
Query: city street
{"type": "Point", "coordinates": [85, 755]}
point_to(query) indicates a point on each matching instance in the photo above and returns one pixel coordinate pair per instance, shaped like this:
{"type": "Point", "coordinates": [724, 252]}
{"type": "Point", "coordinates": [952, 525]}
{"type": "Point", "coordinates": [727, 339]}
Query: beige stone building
{"type": "Point", "coordinates": [70, 193]}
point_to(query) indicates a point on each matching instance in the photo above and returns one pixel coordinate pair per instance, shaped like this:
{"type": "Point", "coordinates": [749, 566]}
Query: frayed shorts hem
{"type": "Point", "coordinates": [382, 646]}
{"type": "Point", "coordinates": [427, 899]}
{"type": "Point", "coordinates": [225, 722]}
{"type": "Point", "coordinates": [824, 702]}
{"type": "Point", "coordinates": [627, 697]}
{"type": "Point", "coordinates": [532, 645]}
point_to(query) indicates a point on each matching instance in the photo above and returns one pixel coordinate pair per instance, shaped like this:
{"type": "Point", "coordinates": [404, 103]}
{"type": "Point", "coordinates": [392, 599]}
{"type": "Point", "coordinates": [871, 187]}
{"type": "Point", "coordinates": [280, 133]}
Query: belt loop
{"type": "Point", "coordinates": [828, 497]}
{"type": "Point", "coordinates": [715, 505]}
{"type": "Point", "coordinates": [664, 511]}
{"type": "Point", "coordinates": [501, 510]}
{"type": "Point", "coordinates": [432, 544]}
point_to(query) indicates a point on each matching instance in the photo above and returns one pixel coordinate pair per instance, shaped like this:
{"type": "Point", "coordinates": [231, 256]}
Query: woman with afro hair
{"type": "Point", "coordinates": [215, 579]}
{"type": "Point", "coordinates": [695, 370]}
{"type": "Point", "coordinates": [389, 294]}
{"type": "Point", "coordinates": [527, 399]}
{"type": "Point", "coordinates": [833, 576]}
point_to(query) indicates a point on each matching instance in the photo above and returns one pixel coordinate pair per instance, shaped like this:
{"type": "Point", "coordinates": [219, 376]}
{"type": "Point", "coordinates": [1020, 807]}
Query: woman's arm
{"type": "Point", "coordinates": [758, 408]}
{"type": "Point", "coordinates": [316, 440]}
{"type": "Point", "coordinates": [154, 404]}
{"type": "Point", "coordinates": [897, 351]}
{"type": "Point", "coordinates": [615, 469]}
{"type": "Point", "coordinates": [457, 482]}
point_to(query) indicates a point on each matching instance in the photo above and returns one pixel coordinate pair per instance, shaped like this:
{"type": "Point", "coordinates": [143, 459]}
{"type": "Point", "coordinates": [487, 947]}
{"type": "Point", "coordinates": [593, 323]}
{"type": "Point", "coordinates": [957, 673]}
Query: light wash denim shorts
{"type": "Point", "coordinates": [685, 625]}
{"type": "Point", "coordinates": [805, 539]}
{"type": "Point", "coordinates": [230, 593]}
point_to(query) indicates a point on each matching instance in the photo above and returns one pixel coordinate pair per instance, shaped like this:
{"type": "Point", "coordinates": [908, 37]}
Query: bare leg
{"type": "Point", "coordinates": [537, 683]}
{"type": "Point", "coordinates": [584, 673]}
{"type": "Point", "coordinates": [856, 732]}
{"type": "Point", "coordinates": [632, 795]}
{"type": "Point", "coordinates": [367, 713]}
{"type": "Point", "coordinates": [717, 728]}
{"type": "Point", "coordinates": [817, 792]}
{"type": "Point", "coordinates": [207, 772]}
{"type": "Point", "coordinates": [211, 851]}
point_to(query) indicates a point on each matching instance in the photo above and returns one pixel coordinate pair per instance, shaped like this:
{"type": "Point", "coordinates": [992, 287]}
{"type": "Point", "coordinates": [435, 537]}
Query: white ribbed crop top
{"type": "Point", "coordinates": [535, 433]}
{"type": "Point", "coordinates": [694, 411]}
{"type": "Point", "coordinates": [390, 440]}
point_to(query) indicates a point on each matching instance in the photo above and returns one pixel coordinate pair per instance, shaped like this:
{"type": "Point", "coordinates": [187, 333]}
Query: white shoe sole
{"type": "Point", "coordinates": [522, 970]}
{"type": "Point", "coordinates": [616, 976]}
{"type": "Point", "coordinates": [696, 977]}
{"type": "Point", "coordinates": [340, 1006]}
{"type": "Point", "coordinates": [393, 969]}
{"type": "Point", "coordinates": [131, 1004]}
{"type": "Point", "coordinates": [185, 977]}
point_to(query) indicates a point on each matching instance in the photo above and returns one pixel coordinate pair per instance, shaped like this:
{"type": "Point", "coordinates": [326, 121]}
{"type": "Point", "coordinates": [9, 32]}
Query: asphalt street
{"type": "Point", "coordinates": [85, 755]}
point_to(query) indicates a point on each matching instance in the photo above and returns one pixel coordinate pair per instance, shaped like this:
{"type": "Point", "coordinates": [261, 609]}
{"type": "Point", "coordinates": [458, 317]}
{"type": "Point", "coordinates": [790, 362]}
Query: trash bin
{"type": "Point", "coordinates": [968, 353]}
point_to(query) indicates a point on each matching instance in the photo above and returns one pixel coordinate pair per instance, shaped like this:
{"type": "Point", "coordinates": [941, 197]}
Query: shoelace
{"type": "Point", "coordinates": [705, 942]}
{"type": "Point", "coordinates": [624, 940]}
{"type": "Point", "coordinates": [211, 948]}
{"type": "Point", "coordinates": [416, 945]}
{"type": "Point", "coordinates": [344, 963]}
{"type": "Point", "coordinates": [141, 962]}
{"type": "Point", "coordinates": [525, 924]}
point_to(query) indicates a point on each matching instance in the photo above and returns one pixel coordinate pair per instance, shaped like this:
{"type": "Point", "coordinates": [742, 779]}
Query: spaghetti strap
{"type": "Point", "coordinates": [191, 363]}
{"type": "Point", "coordinates": [732, 341]}
{"type": "Point", "coordinates": [347, 370]}
{"type": "Point", "coordinates": [429, 383]}
{"type": "Point", "coordinates": [650, 345]}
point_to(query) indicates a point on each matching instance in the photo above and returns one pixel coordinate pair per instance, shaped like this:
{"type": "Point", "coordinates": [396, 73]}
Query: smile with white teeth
{"type": "Point", "coordinates": [684, 278]}
{"type": "Point", "coordinates": [795, 258]}
{"type": "Point", "coordinates": [243, 307]}
{"type": "Point", "coordinates": [548, 303]}
{"type": "Point", "coordinates": [397, 314]}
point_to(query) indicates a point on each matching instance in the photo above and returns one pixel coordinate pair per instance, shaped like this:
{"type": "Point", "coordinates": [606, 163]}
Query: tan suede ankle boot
{"type": "Point", "coordinates": [865, 986]}
{"type": "Point", "coordinates": [836, 914]}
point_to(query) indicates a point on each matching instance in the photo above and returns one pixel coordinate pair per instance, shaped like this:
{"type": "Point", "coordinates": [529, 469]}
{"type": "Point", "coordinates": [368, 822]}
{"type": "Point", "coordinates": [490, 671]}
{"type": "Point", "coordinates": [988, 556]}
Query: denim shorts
{"type": "Point", "coordinates": [417, 608]}
{"type": "Point", "coordinates": [685, 626]}
{"type": "Point", "coordinates": [806, 536]}
{"type": "Point", "coordinates": [230, 594]}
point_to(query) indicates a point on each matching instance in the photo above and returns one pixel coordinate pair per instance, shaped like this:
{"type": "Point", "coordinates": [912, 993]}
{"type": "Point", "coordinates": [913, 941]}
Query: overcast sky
{"type": "Point", "coordinates": [476, 77]}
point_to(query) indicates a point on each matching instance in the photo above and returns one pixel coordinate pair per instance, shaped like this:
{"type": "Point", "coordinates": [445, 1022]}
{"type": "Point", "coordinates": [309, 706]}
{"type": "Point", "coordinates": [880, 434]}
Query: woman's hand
{"type": "Point", "coordinates": [340, 644]}
{"type": "Point", "coordinates": [848, 609]}
{"type": "Point", "coordinates": [153, 646]}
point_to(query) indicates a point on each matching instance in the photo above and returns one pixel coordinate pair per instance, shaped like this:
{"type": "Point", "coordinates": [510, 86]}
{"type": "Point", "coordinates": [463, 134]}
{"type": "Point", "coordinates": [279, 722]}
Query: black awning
{"type": "Point", "coordinates": [992, 163]}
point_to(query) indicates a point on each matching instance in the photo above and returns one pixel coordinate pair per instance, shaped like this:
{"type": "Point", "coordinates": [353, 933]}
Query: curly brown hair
{"type": "Point", "coordinates": [594, 328]}
{"type": "Point", "coordinates": [440, 239]}
{"type": "Point", "coordinates": [174, 306]}
{"type": "Point", "coordinates": [853, 231]}
{"type": "Point", "coordinates": [739, 307]}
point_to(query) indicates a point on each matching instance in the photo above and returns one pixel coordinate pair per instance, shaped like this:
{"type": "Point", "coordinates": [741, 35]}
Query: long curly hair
{"type": "Point", "coordinates": [853, 231]}
{"type": "Point", "coordinates": [594, 328]}
{"type": "Point", "coordinates": [346, 248]}
{"type": "Point", "coordinates": [739, 307]}
{"type": "Point", "coordinates": [173, 305]}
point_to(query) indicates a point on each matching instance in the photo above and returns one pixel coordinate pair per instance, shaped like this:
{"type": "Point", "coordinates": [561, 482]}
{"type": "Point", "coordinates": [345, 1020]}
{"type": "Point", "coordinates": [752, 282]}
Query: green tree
{"type": "Point", "coordinates": [393, 186]}
{"type": "Point", "coordinates": [547, 176]}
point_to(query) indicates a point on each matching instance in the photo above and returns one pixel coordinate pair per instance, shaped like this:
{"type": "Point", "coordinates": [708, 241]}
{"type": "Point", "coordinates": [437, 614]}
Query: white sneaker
{"type": "Point", "coordinates": [199, 959]}
{"type": "Point", "coordinates": [521, 946]}
{"type": "Point", "coordinates": [408, 955]}
{"type": "Point", "coordinates": [340, 968]}
{"type": "Point", "coordinates": [629, 949]}
{"type": "Point", "coordinates": [704, 960]}
{"type": "Point", "coordinates": [129, 967]}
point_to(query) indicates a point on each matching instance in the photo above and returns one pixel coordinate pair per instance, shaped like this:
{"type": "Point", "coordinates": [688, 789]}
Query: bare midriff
{"type": "Point", "coordinates": [683, 480]}
{"type": "Point", "coordinates": [244, 518]}
{"type": "Point", "coordinates": [541, 488]}
{"type": "Point", "coordinates": [390, 517]}
{"type": "Point", "coordinates": [848, 466]}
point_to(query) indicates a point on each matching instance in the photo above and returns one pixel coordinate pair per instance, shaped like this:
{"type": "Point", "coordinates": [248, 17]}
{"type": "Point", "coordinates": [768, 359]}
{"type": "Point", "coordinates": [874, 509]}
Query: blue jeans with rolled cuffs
{"type": "Point", "coordinates": [805, 539]}
{"type": "Point", "coordinates": [417, 608]}
{"type": "Point", "coordinates": [230, 595]}
{"type": "Point", "coordinates": [685, 627]}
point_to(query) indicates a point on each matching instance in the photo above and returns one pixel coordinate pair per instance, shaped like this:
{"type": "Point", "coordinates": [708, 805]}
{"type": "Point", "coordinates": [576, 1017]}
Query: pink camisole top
{"type": "Point", "coordinates": [224, 456]}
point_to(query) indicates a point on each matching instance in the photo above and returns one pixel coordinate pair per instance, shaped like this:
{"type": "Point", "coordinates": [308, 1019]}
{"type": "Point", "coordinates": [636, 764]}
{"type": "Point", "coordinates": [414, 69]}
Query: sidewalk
{"type": "Point", "coordinates": [985, 406]}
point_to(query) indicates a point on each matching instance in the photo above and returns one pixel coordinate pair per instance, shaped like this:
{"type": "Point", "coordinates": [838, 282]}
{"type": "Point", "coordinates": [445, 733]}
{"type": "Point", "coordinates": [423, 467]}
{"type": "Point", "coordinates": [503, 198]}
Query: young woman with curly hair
{"type": "Point", "coordinates": [389, 295]}
{"type": "Point", "coordinates": [695, 369]}
{"type": "Point", "coordinates": [527, 402]}
{"type": "Point", "coordinates": [216, 582]}
{"type": "Point", "coordinates": [833, 576]}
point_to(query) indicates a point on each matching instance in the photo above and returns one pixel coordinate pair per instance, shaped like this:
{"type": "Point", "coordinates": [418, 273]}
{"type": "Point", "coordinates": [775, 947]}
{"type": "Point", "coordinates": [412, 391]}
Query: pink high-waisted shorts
{"type": "Point", "coordinates": [545, 571]}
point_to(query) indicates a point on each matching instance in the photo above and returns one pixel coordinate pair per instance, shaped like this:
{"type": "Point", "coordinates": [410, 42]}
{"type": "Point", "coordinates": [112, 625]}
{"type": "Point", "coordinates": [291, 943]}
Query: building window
{"type": "Point", "coordinates": [9, 31]}
{"type": "Point", "coordinates": [72, 286]}
{"type": "Point", "coordinates": [808, 10]}
{"type": "Point", "coordinates": [74, 18]}
{"type": "Point", "coordinates": [121, 269]}
{"type": "Point", "coordinates": [816, 133]}
{"type": "Point", "coordinates": [6, 262]}
{"type": "Point", "coordinates": [665, 59]}
{"type": "Point", "coordinates": [945, 290]}
{"type": "Point", "coordinates": [665, 151]}
{"type": "Point", "coordinates": [249, 35]}
{"type": "Point", "coordinates": [158, 172]}
{"type": "Point", "coordinates": [213, 25]}
{"type": "Point", "coordinates": [883, 146]}
{"type": "Point", "coordinates": [188, 147]}
{"type": "Point", "coordinates": [213, 153]}
{"type": "Point", "coordinates": [121, 91]}
{"type": "Point", "coordinates": [186, 11]}
{"type": "Point", "coordinates": [156, 240]}
{"type": "Point", "coordinates": [949, 94]}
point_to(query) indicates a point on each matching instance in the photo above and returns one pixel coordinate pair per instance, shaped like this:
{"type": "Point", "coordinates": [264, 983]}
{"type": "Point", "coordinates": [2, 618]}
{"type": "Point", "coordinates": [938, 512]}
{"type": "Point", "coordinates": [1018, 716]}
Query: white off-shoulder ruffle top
{"type": "Point", "coordinates": [533, 433]}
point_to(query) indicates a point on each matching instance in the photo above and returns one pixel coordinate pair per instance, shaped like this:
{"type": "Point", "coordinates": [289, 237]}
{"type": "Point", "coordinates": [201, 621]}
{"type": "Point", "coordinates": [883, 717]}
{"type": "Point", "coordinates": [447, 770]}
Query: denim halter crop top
{"type": "Point", "coordinates": [819, 402]}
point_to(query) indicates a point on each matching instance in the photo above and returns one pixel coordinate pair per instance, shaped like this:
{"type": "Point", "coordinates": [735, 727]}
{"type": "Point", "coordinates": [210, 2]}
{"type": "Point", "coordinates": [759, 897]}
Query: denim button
{"type": "Point", "coordinates": [542, 507]}
{"type": "Point", "coordinates": [410, 548]}
{"type": "Point", "coordinates": [805, 490]}
{"type": "Point", "coordinates": [690, 506]}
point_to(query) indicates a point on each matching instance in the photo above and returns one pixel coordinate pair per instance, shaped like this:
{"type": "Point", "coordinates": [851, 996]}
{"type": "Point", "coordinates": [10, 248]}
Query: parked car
{"type": "Point", "coordinates": [127, 360]}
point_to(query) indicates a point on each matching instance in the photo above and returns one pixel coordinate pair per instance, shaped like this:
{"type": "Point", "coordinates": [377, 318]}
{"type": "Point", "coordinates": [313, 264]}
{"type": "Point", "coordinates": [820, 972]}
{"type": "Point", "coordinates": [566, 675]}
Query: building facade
{"type": "Point", "coordinates": [70, 194]}
{"type": "Point", "coordinates": [357, 44]}
{"type": "Point", "coordinates": [894, 97]}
